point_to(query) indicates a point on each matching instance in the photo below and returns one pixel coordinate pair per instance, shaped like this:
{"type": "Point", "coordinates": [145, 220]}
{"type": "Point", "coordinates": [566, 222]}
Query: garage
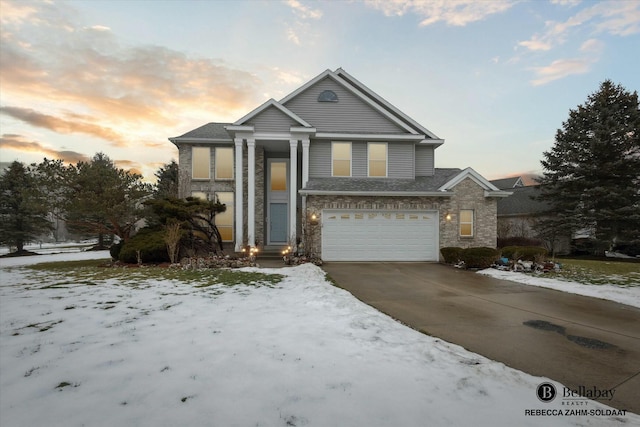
{"type": "Point", "coordinates": [357, 235]}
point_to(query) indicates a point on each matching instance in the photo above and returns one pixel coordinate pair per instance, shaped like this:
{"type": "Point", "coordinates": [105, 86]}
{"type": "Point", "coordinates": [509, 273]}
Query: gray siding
{"type": "Point", "coordinates": [424, 160]}
{"type": "Point", "coordinates": [359, 159]}
{"type": "Point", "coordinates": [320, 159]}
{"type": "Point", "coordinates": [401, 163]}
{"type": "Point", "coordinates": [272, 120]}
{"type": "Point", "coordinates": [349, 114]}
{"type": "Point", "coordinates": [400, 160]}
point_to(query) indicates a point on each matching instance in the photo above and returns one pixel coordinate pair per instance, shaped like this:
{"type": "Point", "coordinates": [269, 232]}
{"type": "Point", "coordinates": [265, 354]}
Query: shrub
{"type": "Point", "coordinates": [451, 255]}
{"type": "Point", "coordinates": [524, 253]}
{"type": "Point", "coordinates": [115, 249]}
{"type": "Point", "coordinates": [479, 257]}
{"type": "Point", "coordinates": [151, 245]}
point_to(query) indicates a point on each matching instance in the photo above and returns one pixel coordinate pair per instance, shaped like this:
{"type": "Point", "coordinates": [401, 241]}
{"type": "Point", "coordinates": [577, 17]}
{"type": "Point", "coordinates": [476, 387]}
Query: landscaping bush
{"type": "Point", "coordinates": [479, 257]}
{"type": "Point", "coordinates": [524, 253]}
{"type": "Point", "coordinates": [115, 249]}
{"type": "Point", "coordinates": [451, 255]}
{"type": "Point", "coordinates": [151, 245]}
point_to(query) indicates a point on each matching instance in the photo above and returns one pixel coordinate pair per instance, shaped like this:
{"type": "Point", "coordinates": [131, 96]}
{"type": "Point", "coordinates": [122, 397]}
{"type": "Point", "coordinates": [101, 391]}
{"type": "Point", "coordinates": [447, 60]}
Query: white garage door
{"type": "Point", "coordinates": [379, 235]}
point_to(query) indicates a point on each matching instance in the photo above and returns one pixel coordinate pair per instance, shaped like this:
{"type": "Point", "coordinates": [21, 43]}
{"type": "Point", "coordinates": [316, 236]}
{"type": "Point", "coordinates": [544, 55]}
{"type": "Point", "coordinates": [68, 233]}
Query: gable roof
{"type": "Point", "coordinates": [506, 183]}
{"type": "Point", "coordinates": [385, 104]}
{"type": "Point", "coordinates": [522, 202]}
{"type": "Point", "coordinates": [272, 103]}
{"type": "Point", "coordinates": [490, 189]}
{"type": "Point", "coordinates": [223, 132]}
{"type": "Point", "coordinates": [368, 97]}
{"type": "Point", "coordinates": [212, 132]}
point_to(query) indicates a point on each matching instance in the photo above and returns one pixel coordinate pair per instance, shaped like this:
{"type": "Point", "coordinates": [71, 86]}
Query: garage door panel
{"type": "Point", "coordinates": [379, 235]}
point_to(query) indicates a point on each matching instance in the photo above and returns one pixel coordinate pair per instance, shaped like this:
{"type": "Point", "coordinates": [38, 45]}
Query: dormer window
{"type": "Point", "coordinates": [327, 96]}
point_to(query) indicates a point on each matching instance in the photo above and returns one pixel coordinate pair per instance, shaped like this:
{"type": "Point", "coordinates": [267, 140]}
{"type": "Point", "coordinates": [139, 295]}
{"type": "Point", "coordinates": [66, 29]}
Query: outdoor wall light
{"type": "Point", "coordinates": [313, 220]}
{"type": "Point", "coordinates": [448, 217]}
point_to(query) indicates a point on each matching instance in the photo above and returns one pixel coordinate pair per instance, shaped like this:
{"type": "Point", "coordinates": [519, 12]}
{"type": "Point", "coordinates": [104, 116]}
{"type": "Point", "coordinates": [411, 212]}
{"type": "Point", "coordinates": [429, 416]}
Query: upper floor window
{"type": "Point", "coordinates": [377, 153]}
{"type": "Point", "coordinates": [341, 159]}
{"type": "Point", "coordinates": [466, 223]}
{"type": "Point", "coordinates": [224, 163]}
{"type": "Point", "coordinates": [200, 162]}
{"type": "Point", "coordinates": [327, 96]}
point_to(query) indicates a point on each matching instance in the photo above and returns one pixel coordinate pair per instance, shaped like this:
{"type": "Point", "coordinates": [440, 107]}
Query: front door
{"type": "Point", "coordinates": [277, 199]}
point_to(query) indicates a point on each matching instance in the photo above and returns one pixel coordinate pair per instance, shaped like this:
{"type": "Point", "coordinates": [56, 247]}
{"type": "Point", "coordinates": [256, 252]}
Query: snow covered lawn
{"type": "Point", "coordinates": [629, 295]}
{"type": "Point", "coordinates": [299, 352]}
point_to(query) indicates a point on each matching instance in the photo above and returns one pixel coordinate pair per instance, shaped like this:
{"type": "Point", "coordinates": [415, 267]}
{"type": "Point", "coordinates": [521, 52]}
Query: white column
{"type": "Point", "coordinates": [293, 185]}
{"type": "Point", "coordinates": [251, 192]}
{"type": "Point", "coordinates": [238, 201]}
{"type": "Point", "coordinates": [305, 162]}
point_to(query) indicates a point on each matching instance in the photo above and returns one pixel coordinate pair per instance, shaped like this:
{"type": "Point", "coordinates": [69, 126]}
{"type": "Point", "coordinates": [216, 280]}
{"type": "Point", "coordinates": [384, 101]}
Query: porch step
{"type": "Point", "coordinates": [270, 254]}
{"type": "Point", "coordinates": [266, 254]}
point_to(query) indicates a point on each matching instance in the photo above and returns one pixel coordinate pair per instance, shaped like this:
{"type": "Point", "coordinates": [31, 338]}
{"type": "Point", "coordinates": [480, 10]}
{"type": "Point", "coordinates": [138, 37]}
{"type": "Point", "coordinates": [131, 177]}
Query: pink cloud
{"type": "Point", "coordinates": [21, 144]}
{"type": "Point", "coordinates": [457, 13]}
{"type": "Point", "coordinates": [60, 125]}
{"type": "Point", "coordinates": [559, 69]}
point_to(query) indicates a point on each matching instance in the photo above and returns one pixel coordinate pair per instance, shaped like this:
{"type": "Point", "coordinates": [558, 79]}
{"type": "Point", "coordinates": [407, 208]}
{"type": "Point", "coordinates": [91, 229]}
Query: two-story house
{"type": "Point", "coordinates": [338, 168]}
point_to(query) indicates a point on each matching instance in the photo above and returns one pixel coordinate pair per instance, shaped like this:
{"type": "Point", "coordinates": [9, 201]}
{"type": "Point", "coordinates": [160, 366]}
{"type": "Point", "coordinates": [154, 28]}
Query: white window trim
{"type": "Point", "coordinates": [233, 230]}
{"type": "Point", "coordinates": [216, 164]}
{"type": "Point", "coordinates": [350, 158]}
{"type": "Point", "coordinates": [386, 159]}
{"type": "Point", "coordinates": [193, 169]}
{"type": "Point", "coordinates": [460, 223]}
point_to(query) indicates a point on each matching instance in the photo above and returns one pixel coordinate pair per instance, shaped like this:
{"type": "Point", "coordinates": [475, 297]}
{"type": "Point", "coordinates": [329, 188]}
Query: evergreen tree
{"type": "Point", "coordinates": [52, 177]}
{"type": "Point", "coordinates": [167, 184]}
{"type": "Point", "coordinates": [197, 217]}
{"type": "Point", "coordinates": [592, 173]}
{"type": "Point", "coordinates": [102, 199]}
{"type": "Point", "coordinates": [23, 207]}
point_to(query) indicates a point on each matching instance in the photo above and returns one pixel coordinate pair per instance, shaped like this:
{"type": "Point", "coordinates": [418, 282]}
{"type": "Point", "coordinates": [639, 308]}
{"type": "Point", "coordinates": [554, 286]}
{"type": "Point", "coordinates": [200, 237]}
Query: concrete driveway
{"type": "Point", "coordinates": [576, 340]}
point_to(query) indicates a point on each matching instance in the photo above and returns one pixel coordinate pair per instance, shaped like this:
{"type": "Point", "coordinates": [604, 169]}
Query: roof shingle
{"type": "Point", "coordinates": [208, 131]}
{"type": "Point", "coordinates": [379, 185]}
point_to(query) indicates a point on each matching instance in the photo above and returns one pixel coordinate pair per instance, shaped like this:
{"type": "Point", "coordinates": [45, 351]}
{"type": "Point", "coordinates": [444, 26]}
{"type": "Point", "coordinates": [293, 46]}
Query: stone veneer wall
{"type": "Point", "coordinates": [260, 177]}
{"type": "Point", "coordinates": [467, 195]}
{"type": "Point", "coordinates": [259, 196]}
{"type": "Point", "coordinates": [211, 186]}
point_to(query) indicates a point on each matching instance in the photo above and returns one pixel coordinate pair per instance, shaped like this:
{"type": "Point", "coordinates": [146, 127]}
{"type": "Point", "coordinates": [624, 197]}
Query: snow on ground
{"type": "Point", "coordinates": [301, 353]}
{"type": "Point", "coordinates": [54, 248]}
{"type": "Point", "coordinates": [624, 295]}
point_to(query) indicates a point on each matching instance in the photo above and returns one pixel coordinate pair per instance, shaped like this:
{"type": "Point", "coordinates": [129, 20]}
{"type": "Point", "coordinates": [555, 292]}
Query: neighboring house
{"type": "Point", "coordinates": [508, 183]}
{"type": "Point", "coordinates": [337, 168]}
{"type": "Point", "coordinates": [519, 213]}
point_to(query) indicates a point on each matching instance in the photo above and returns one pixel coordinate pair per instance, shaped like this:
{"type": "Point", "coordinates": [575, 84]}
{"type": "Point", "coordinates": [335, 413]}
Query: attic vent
{"type": "Point", "coordinates": [327, 96]}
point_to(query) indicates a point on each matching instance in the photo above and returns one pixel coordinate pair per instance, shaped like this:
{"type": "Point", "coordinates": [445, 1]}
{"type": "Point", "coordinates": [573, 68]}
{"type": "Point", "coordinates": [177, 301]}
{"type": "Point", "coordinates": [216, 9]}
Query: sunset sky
{"type": "Point", "coordinates": [495, 79]}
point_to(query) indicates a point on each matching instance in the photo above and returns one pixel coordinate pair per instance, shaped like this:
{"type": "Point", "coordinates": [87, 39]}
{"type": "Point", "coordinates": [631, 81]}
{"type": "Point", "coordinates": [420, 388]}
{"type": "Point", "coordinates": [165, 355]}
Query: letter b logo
{"type": "Point", "coordinates": [546, 392]}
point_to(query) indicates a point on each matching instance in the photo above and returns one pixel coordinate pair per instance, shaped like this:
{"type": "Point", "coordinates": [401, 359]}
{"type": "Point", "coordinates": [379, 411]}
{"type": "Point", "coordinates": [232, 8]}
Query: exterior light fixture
{"type": "Point", "coordinates": [448, 217]}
